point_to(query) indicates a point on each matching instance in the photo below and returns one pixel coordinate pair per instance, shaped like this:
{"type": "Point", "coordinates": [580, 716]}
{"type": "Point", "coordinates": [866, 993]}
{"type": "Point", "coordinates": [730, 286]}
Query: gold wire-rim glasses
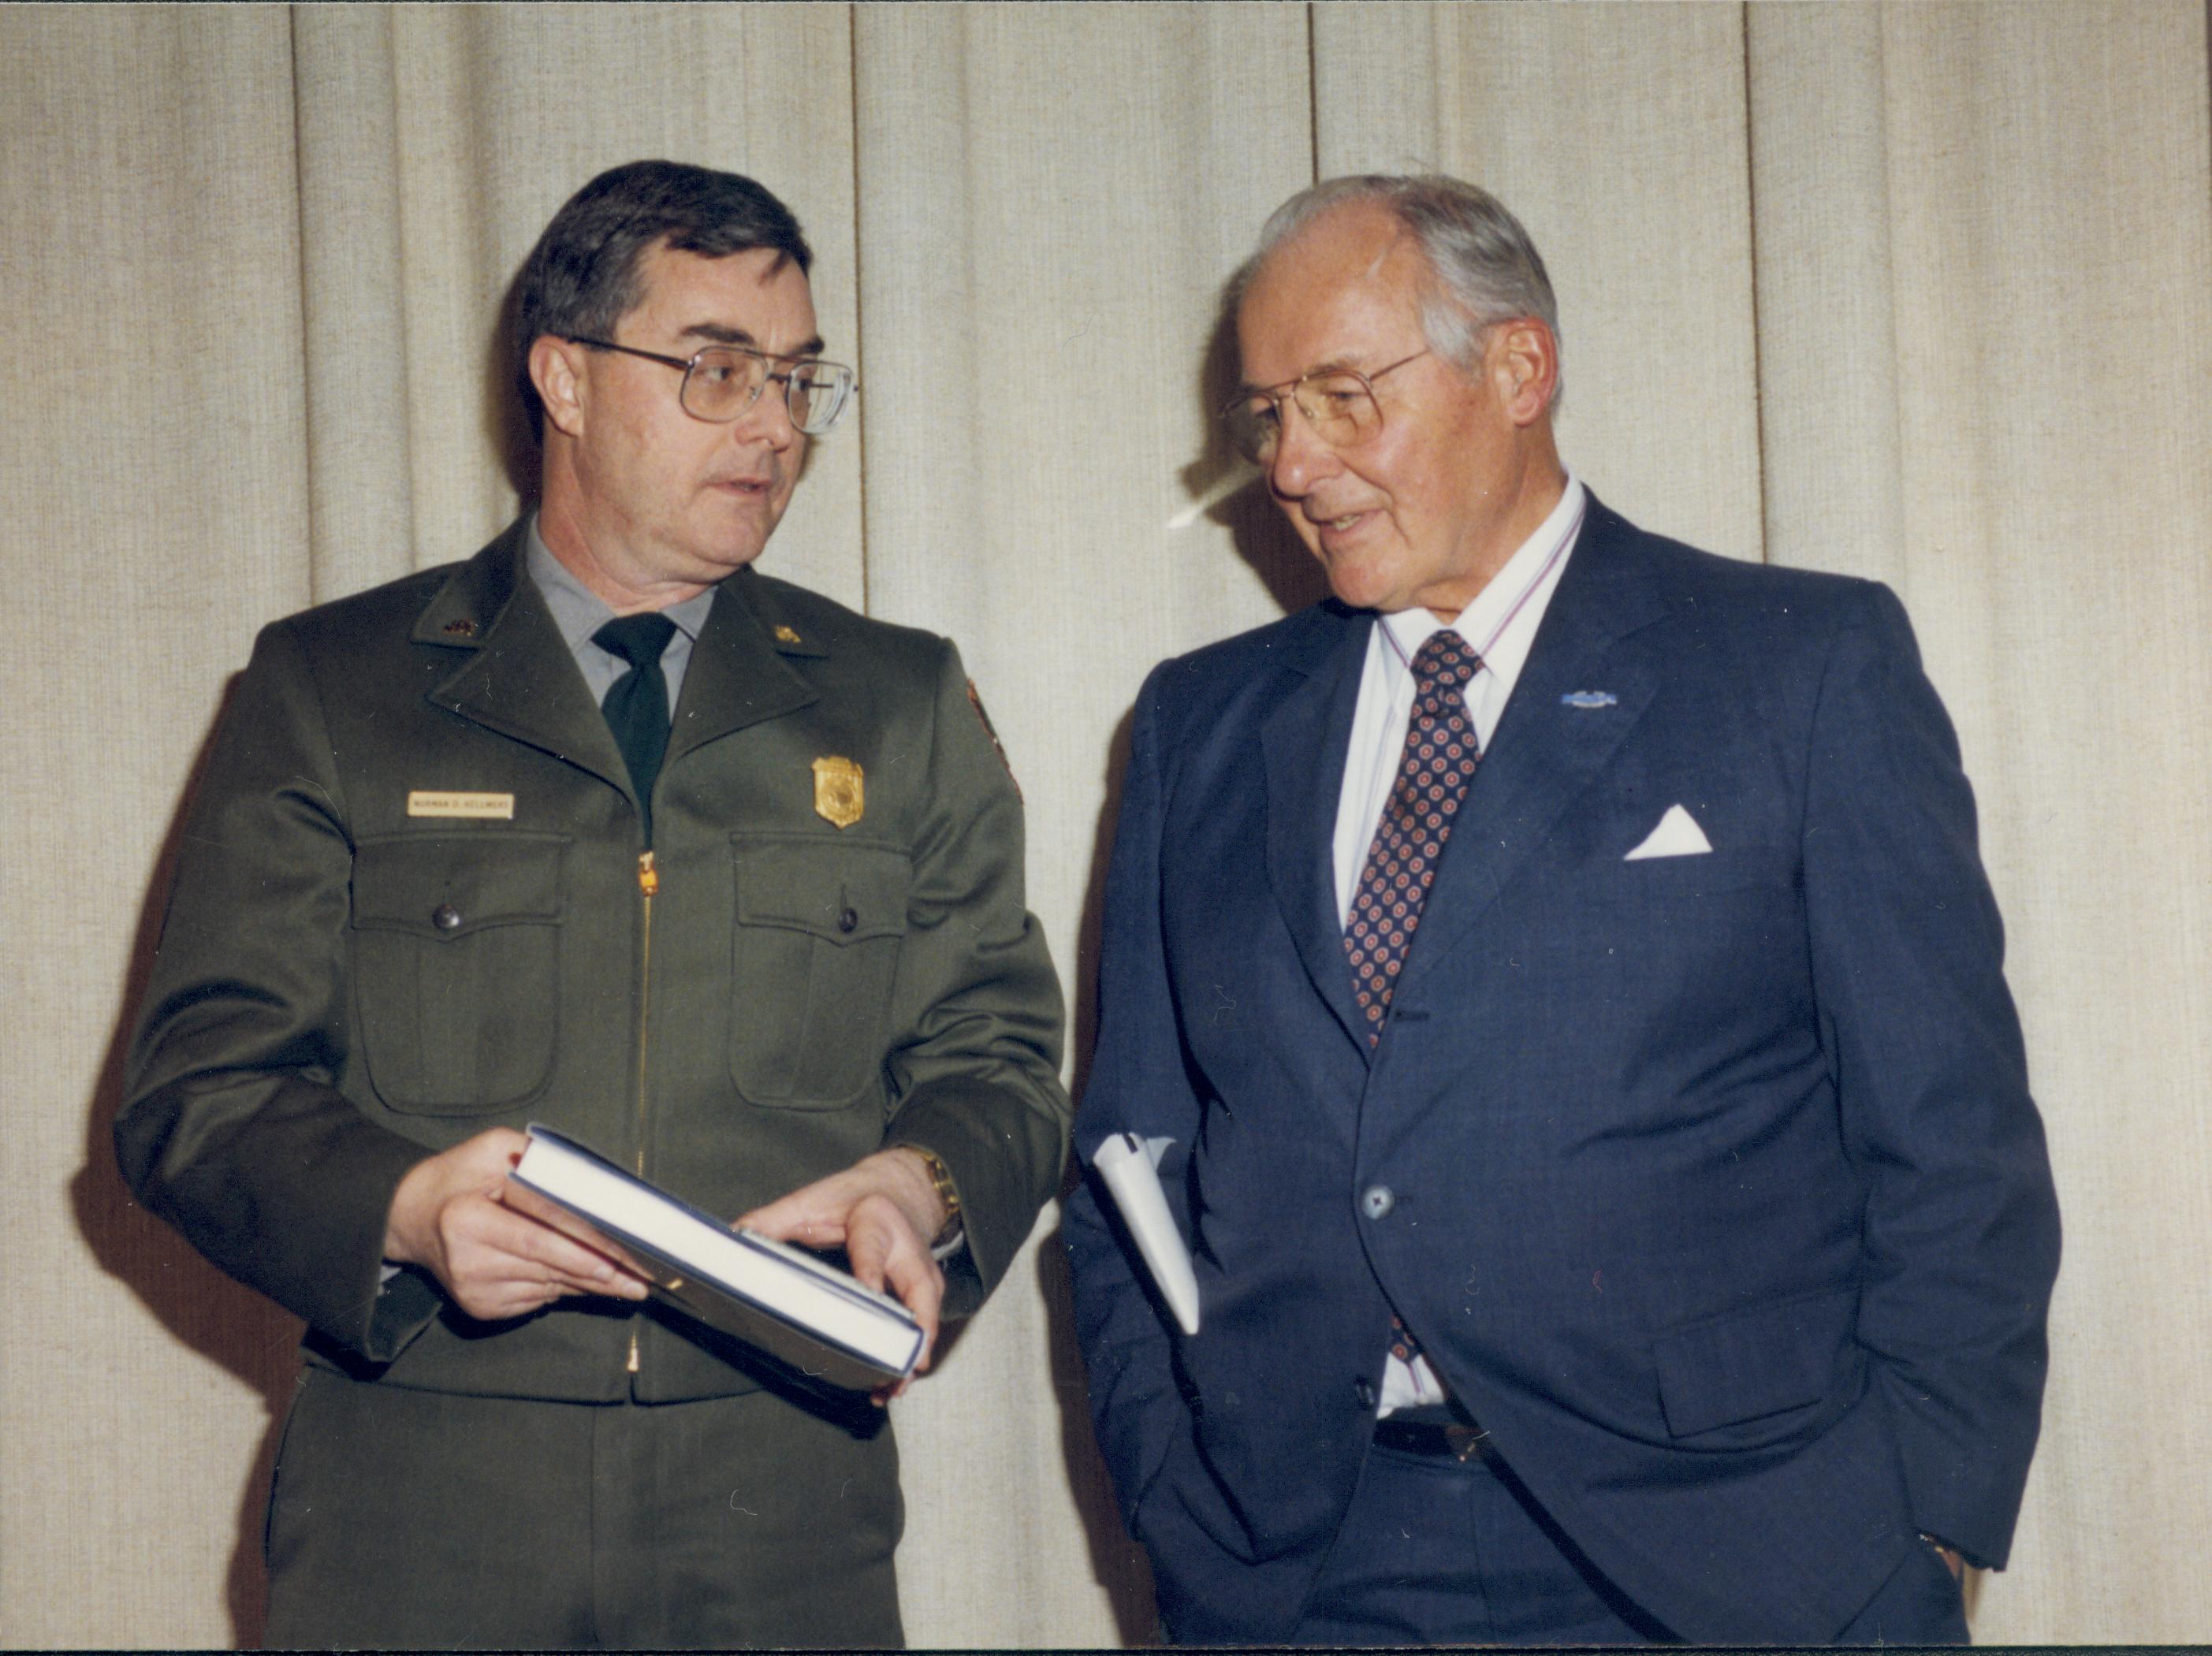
{"type": "Point", "coordinates": [799, 386]}
{"type": "Point", "coordinates": [1337, 403]}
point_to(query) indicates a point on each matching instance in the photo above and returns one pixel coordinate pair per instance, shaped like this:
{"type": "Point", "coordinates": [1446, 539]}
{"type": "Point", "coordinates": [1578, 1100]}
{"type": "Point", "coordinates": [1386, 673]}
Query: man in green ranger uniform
{"type": "Point", "coordinates": [606, 829]}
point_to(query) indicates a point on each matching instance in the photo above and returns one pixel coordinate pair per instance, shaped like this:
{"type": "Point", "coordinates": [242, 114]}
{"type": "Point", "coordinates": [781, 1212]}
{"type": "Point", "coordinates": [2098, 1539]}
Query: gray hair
{"type": "Point", "coordinates": [1485, 268]}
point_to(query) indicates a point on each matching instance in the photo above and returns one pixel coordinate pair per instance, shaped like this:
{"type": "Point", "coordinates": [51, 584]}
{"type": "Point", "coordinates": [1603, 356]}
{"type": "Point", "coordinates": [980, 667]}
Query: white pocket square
{"type": "Point", "coordinates": [1677, 835]}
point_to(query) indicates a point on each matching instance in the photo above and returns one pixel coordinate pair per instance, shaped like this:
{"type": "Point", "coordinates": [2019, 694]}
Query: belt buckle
{"type": "Point", "coordinates": [1465, 1442]}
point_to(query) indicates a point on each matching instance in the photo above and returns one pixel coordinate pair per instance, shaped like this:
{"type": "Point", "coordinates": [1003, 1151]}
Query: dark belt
{"type": "Point", "coordinates": [1448, 1440]}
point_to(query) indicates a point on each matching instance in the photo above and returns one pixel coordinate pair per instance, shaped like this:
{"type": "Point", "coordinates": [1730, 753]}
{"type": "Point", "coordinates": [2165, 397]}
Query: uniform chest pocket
{"type": "Point", "coordinates": [457, 967]}
{"type": "Point", "coordinates": [815, 956]}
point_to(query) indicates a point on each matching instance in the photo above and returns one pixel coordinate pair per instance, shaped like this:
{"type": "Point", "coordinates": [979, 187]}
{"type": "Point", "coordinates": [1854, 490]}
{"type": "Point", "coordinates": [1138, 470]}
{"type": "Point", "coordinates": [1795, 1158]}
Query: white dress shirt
{"type": "Point", "coordinates": [1501, 624]}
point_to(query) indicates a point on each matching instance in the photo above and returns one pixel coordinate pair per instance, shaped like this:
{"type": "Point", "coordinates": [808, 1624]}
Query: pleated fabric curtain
{"type": "Point", "coordinates": [1914, 291]}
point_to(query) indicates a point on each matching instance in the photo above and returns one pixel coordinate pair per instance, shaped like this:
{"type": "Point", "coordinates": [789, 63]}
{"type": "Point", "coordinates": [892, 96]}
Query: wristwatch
{"type": "Point", "coordinates": [947, 1192]}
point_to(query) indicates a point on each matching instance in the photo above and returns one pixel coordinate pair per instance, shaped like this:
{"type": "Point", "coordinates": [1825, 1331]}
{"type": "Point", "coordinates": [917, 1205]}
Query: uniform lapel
{"type": "Point", "coordinates": [1546, 750]}
{"type": "Point", "coordinates": [517, 677]}
{"type": "Point", "coordinates": [1303, 740]}
{"type": "Point", "coordinates": [738, 674]}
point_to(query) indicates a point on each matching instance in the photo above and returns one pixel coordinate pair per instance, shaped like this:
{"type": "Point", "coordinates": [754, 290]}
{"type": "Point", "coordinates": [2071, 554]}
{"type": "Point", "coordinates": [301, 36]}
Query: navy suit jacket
{"type": "Point", "coordinates": [1715, 1190]}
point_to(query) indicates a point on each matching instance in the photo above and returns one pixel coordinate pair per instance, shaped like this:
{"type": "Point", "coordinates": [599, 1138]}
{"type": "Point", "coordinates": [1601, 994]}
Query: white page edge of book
{"type": "Point", "coordinates": [717, 1251]}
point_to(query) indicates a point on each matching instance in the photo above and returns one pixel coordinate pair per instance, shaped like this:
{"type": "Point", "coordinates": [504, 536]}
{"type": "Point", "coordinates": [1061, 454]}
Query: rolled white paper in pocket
{"type": "Point", "coordinates": [1130, 1167]}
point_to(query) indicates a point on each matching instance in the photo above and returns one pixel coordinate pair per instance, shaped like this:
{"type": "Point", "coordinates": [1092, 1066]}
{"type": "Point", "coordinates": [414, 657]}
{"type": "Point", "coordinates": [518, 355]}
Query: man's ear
{"type": "Point", "coordinates": [556, 369]}
{"type": "Point", "coordinates": [1523, 363]}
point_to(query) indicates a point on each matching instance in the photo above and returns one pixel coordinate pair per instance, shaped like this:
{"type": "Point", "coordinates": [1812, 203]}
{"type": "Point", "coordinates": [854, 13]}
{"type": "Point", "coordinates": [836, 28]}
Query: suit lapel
{"type": "Point", "coordinates": [1546, 749]}
{"type": "Point", "coordinates": [1303, 740]}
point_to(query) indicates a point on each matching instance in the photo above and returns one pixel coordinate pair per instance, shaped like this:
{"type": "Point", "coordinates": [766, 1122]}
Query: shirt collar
{"type": "Point", "coordinates": [579, 612]}
{"type": "Point", "coordinates": [1501, 623]}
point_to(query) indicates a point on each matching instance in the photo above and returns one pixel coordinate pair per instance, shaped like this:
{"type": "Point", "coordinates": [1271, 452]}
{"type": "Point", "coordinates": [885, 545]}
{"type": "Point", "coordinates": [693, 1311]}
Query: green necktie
{"type": "Point", "coordinates": [637, 704]}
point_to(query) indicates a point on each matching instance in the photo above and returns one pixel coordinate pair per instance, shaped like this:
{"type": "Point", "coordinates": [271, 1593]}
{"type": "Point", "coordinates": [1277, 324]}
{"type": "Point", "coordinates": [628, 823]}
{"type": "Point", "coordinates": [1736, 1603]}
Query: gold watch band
{"type": "Point", "coordinates": [947, 1192]}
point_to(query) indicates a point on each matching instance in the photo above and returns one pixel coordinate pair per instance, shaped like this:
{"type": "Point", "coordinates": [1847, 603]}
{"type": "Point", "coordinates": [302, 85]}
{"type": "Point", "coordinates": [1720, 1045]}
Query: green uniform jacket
{"type": "Point", "coordinates": [346, 984]}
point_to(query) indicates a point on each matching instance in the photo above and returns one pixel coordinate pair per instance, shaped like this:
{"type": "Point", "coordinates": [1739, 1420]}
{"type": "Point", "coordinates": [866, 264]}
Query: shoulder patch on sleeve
{"type": "Point", "coordinates": [976, 701]}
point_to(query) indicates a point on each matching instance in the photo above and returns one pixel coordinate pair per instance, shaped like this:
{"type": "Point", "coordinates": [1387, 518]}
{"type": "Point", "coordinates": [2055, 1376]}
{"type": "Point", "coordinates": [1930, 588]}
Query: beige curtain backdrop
{"type": "Point", "coordinates": [1917, 291]}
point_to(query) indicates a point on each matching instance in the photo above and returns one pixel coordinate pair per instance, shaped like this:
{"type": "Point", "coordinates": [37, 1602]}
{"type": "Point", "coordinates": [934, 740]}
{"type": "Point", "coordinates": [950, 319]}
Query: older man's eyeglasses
{"type": "Point", "coordinates": [722, 382]}
{"type": "Point", "coordinates": [1337, 403]}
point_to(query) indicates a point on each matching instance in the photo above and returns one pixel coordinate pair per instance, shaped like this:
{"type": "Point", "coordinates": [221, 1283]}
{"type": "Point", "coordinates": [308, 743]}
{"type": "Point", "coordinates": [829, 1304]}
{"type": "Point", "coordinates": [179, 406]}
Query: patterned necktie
{"type": "Point", "coordinates": [636, 705]}
{"type": "Point", "coordinates": [1439, 761]}
{"type": "Point", "coordinates": [1440, 757]}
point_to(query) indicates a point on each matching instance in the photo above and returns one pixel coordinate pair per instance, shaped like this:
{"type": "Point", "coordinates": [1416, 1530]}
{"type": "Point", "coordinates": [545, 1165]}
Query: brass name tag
{"type": "Point", "coordinates": [498, 807]}
{"type": "Point", "coordinates": [837, 790]}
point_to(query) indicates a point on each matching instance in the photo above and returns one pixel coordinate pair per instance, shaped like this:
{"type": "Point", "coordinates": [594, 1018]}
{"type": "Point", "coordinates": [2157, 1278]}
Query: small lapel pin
{"type": "Point", "coordinates": [785, 635]}
{"type": "Point", "coordinates": [462, 628]}
{"type": "Point", "coordinates": [1589, 699]}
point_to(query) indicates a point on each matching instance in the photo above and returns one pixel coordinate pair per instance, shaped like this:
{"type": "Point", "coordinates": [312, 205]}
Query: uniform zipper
{"type": "Point", "coordinates": [648, 882]}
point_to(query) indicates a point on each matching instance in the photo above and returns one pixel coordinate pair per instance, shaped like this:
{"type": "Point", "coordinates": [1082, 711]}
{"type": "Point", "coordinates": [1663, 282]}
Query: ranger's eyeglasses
{"type": "Point", "coordinates": [722, 382]}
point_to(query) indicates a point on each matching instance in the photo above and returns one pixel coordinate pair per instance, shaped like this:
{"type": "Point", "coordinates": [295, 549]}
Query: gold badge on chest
{"type": "Point", "coordinates": [837, 790]}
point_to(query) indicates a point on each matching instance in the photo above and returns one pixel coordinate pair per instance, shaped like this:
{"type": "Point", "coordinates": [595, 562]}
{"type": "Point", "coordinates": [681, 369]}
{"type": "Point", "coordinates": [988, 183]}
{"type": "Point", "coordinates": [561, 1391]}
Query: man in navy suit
{"type": "Point", "coordinates": [1562, 966]}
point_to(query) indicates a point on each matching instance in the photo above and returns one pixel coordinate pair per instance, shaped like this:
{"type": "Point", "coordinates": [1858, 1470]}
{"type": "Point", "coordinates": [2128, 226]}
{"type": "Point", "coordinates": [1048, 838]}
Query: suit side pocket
{"type": "Point", "coordinates": [1744, 1371]}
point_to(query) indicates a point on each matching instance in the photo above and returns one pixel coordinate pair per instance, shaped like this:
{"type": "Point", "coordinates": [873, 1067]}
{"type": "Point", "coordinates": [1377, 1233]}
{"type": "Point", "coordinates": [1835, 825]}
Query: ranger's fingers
{"type": "Point", "coordinates": [578, 1267]}
{"type": "Point", "coordinates": [423, 1214]}
{"type": "Point", "coordinates": [920, 1286]}
{"type": "Point", "coordinates": [501, 1302]}
{"type": "Point", "coordinates": [527, 1203]}
{"type": "Point", "coordinates": [501, 1245]}
{"type": "Point", "coordinates": [888, 1254]}
{"type": "Point", "coordinates": [813, 1215]}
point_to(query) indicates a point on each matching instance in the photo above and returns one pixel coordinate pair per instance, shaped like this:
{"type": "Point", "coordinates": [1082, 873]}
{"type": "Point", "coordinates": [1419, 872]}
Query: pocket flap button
{"type": "Point", "coordinates": [847, 920]}
{"type": "Point", "coordinates": [446, 917]}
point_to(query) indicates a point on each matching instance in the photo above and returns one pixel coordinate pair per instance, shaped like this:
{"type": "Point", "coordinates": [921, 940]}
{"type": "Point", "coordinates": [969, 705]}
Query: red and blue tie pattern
{"type": "Point", "coordinates": [1441, 754]}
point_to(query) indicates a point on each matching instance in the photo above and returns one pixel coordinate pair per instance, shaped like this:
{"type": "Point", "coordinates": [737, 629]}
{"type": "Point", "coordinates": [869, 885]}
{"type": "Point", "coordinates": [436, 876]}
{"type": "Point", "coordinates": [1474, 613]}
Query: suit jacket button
{"type": "Point", "coordinates": [1364, 1391]}
{"type": "Point", "coordinates": [1375, 1201]}
{"type": "Point", "coordinates": [446, 917]}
